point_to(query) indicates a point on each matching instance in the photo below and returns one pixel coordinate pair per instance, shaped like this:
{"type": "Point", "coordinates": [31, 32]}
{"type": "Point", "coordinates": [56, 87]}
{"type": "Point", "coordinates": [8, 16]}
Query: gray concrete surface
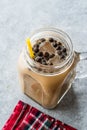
{"type": "Point", "coordinates": [18, 18]}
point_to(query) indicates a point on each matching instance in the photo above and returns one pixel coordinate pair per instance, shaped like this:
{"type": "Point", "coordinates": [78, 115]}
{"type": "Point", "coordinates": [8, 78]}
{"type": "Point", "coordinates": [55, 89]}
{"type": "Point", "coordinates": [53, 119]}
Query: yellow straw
{"type": "Point", "coordinates": [29, 48]}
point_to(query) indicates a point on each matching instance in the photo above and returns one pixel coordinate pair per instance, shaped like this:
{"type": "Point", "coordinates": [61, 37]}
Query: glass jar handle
{"type": "Point", "coordinates": [81, 69]}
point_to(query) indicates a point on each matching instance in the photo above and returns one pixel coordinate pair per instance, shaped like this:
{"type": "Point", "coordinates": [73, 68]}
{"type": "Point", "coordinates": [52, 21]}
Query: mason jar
{"type": "Point", "coordinates": [47, 85]}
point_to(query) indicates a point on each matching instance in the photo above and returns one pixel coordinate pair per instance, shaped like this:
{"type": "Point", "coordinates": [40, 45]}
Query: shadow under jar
{"type": "Point", "coordinates": [47, 84]}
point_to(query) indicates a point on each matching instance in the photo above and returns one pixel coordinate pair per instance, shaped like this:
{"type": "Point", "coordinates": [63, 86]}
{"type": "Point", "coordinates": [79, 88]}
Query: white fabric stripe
{"type": "Point", "coordinates": [36, 119]}
{"type": "Point", "coordinates": [43, 124]}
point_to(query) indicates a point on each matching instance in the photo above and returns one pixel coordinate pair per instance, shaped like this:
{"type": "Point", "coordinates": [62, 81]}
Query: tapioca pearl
{"type": "Point", "coordinates": [51, 40]}
{"type": "Point", "coordinates": [59, 52]}
{"type": "Point", "coordinates": [64, 49]}
{"type": "Point", "coordinates": [65, 53]}
{"type": "Point", "coordinates": [38, 59]}
{"type": "Point", "coordinates": [44, 62]}
{"type": "Point", "coordinates": [36, 48]}
{"type": "Point", "coordinates": [46, 54]}
{"type": "Point", "coordinates": [51, 55]}
{"type": "Point", "coordinates": [54, 44]}
{"type": "Point", "coordinates": [36, 45]}
{"type": "Point", "coordinates": [59, 47]}
{"type": "Point", "coordinates": [47, 58]}
{"type": "Point", "coordinates": [55, 41]}
{"type": "Point", "coordinates": [50, 63]}
{"type": "Point", "coordinates": [40, 54]}
{"type": "Point", "coordinates": [59, 43]}
{"type": "Point", "coordinates": [42, 39]}
{"type": "Point", "coordinates": [62, 56]}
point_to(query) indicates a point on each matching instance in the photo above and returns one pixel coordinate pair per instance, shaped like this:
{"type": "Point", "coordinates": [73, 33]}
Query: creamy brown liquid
{"type": "Point", "coordinates": [45, 89]}
{"type": "Point", "coordinates": [56, 48]}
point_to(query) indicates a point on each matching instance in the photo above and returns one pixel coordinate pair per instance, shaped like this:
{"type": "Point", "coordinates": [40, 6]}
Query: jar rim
{"type": "Point", "coordinates": [64, 35]}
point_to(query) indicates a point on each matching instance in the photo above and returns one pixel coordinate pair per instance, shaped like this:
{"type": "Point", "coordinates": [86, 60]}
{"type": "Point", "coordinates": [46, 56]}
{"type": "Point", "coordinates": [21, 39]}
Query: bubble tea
{"type": "Point", "coordinates": [48, 75]}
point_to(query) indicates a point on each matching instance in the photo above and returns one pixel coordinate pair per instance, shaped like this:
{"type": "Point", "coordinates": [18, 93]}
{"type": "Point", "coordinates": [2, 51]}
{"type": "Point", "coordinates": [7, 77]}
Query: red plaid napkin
{"type": "Point", "coordinates": [26, 117]}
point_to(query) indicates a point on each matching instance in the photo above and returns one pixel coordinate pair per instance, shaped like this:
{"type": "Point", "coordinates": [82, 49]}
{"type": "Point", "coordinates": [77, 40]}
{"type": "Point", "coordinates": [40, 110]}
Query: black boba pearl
{"type": "Point", "coordinates": [51, 64]}
{"type": "Point", "coordinates": [65, 53]}
{"type": "Point", "coordinates": [38, 59]}
{"type": "Point", "coordinates": [64, 49]}
{"type": "Point", "coordinates": [59, 52]}
{"type": "Point", "coordinates": [51, 40]}
{"type": "Point", "coordinates": [54, 44]}
{"type": "Point", "coordinates": [42, 39]}
{"type": "Point", "coordinates": [59, 47]}
{"type": "Point", "coordinates": [47, 58]}
{"type": "Point", "coordinates": [51, 56]}
{"type": "Point", "coordinates": [59, 43]}
{"type": "Point", "coordinates": [35, 48]}
{"type": "Point", "coordinates": [55, 41]}
{"type": "Point", "coordinates": [36, 45]}
{"type": "Point", "coordinates": [46, 54]}
{"type": "Point", "coordinates": [40, 54]}
{"type": "Point", "coordinates": [44, 62]}
{"type": "Point", "coordinates": [63, 57]}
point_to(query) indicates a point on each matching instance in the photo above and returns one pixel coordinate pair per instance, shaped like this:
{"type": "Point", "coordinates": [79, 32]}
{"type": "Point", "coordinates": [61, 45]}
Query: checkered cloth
{"type": "Point", "coordinates": [26, 117]}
